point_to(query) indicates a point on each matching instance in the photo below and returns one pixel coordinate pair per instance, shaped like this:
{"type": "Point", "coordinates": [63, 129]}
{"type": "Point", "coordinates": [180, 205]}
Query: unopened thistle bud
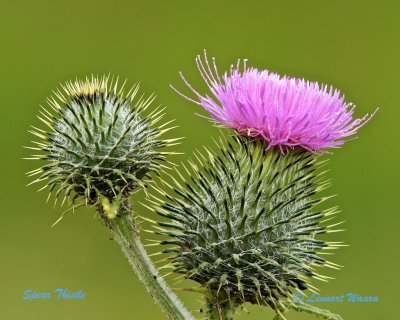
{"type": "Point", "coordinates": [99, 143]}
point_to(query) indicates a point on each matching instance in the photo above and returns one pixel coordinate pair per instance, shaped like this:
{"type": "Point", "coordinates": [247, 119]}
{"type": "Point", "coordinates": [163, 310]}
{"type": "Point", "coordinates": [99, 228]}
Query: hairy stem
{"type": "Point", "coordinates": [127, 235]}
{"type": "Point", "coordinates": [303, 307]}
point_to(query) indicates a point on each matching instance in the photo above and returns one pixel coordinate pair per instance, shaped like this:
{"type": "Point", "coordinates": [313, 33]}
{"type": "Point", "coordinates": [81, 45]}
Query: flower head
{"type": "Point", "coordinates": [284, 111]}
{"type": "Point", "coordinates": [246, 227]}
{"type": "Point", "coordinates": [98, 144]}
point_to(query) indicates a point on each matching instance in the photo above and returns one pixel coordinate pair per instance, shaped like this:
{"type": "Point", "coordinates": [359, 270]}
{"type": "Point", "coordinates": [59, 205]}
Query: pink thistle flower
{"type": "Point", "coordinates": [286, 112]}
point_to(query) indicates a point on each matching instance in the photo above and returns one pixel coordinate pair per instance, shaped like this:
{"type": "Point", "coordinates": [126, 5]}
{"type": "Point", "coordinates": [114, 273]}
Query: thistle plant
{"type": "Point", "coordinates": [98, 147]}
{"type": "Point", "coordinates": [244, 220]}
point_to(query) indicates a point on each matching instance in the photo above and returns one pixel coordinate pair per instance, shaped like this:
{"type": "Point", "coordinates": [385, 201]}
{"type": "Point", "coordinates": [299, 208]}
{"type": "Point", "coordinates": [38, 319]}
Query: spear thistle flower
{"type": "Point", "coordinates": [247, 227]}
{"type": "Point", "coordinates": [284, 111]}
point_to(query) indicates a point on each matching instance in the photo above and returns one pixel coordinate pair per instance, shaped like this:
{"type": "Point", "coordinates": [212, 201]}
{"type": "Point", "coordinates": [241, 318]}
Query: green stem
{"type": "Point", "coordinates": [303, 307]}
{"type": "Point", "coordinates": [127, 235]}
{"type": "Point", "coordinates": [220, 309]}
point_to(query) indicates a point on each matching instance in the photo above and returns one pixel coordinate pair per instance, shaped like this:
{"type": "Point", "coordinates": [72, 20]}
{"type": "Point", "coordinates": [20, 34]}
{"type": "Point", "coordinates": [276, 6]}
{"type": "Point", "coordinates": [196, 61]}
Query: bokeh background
{"type": "Point", "coordinates": [353, 45]}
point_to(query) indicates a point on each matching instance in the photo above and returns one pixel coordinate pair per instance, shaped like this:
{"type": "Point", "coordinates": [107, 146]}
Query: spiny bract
{"type": "Point", "coordinates": [245, 227]}
{"type": "Point", "coordinates": [97, 145]}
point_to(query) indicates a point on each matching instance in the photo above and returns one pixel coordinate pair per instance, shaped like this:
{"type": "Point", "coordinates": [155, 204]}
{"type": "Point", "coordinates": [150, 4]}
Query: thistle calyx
{"type": "Point", "coordinates": [246, 226]}
{"type": "Point", "coordinates": [99, 143]}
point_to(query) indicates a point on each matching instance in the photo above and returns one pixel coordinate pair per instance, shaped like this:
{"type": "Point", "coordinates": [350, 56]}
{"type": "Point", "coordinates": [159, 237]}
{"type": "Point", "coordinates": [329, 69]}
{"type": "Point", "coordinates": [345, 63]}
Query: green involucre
{"type": "Point", "coordinates": [245, 227]}
{"type": "Point", "coordinates": [97, 144]}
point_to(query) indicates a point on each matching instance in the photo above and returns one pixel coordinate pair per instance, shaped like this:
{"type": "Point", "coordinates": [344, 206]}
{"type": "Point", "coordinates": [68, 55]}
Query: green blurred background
{"type": "Point", "coordinates": [353, 45]}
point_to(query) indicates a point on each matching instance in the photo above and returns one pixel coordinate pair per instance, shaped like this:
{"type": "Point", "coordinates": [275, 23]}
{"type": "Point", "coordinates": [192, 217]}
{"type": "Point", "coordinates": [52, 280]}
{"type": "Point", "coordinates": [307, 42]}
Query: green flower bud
{"type": "Point", "coordinates": [99, 144]}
